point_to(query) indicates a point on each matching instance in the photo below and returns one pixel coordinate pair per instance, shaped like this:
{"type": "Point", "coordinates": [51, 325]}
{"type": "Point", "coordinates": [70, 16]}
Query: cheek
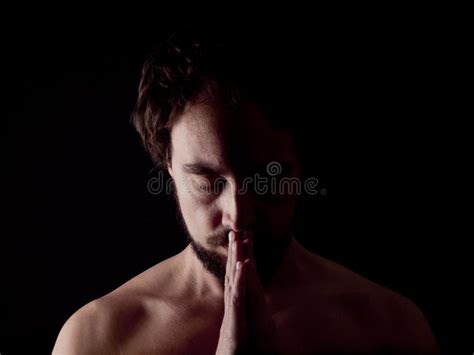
{"type": "Point", "coordinates": [278, 215]}
{"type": "Point", "coordinates": [201, 218]}
{"type": "Point", "coordinates": [207, 218]}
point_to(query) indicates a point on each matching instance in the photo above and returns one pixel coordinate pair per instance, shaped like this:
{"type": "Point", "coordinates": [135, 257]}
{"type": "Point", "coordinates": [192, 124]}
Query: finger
{"type": "Point", "coordinates": [238, 240]}
{"type": "Point", "coordinates": [238, 282]}
{"type": "Point", "coordinates": [238, 251]}
{"type": "Point", "coordinates": [228, 264]}
{"type": "Point", "coordinates": [230, 256]}
{"type": "Point", "coordinates": [234, 260]}
{"type": "Point", "coordinates": [239, 299]}
{"type": "Point", "coordinates": [229, 271]}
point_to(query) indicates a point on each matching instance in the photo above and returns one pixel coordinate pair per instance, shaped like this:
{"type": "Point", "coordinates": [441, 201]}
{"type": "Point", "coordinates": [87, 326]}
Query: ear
{"type": "Point", "coordinates": [169, 167]}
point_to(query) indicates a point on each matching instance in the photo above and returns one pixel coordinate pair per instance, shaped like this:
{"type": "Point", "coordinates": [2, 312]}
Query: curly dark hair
{"type": "Point", "coordinates": [181, 67]}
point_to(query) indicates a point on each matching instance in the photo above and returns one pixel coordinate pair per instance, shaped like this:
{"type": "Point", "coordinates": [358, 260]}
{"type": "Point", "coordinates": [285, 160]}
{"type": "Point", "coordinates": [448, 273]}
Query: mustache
{"type": "Point", "coordinates": [219, 238]}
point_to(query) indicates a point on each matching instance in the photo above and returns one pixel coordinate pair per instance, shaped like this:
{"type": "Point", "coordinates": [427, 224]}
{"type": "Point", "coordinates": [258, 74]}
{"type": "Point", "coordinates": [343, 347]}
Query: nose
{"type": "Point", "coordinates": [238, 209]}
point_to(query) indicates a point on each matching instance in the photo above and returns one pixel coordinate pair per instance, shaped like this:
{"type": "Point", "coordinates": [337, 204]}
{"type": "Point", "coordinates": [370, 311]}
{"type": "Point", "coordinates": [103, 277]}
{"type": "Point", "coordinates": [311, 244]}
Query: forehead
{"type": "Point", "coordinates": [243, 137]}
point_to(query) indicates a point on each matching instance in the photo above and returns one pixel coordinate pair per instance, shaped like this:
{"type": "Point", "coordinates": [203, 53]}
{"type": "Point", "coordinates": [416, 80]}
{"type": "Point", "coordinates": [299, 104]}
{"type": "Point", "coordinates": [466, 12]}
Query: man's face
{"type": "Point", "coordinates": [219, 163]}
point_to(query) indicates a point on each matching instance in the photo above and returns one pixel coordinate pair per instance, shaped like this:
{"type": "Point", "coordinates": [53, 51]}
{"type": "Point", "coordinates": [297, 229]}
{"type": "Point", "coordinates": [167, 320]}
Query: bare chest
{"type": "Point", "coordinates": [303, 327]}
{"type": "Point", "coordinates": [326, 329]}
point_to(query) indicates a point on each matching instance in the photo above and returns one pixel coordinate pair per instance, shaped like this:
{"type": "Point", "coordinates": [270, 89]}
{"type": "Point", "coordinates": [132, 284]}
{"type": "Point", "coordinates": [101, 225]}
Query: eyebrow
{"type": "Point", "coordinates": [200, 169]}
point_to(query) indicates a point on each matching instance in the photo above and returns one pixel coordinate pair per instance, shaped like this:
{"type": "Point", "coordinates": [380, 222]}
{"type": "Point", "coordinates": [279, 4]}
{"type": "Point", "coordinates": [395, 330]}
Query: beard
{"type": "Point", "coordinates": [210, 260]}
{"type": "Point", "coordinates": [268, 250]}
{"type": "Point", "coordinates": [267, 257]}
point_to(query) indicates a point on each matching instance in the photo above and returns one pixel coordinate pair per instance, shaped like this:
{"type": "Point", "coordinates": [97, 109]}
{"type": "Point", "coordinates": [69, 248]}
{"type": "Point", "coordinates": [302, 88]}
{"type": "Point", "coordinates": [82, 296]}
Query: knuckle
{"type": "Point", "coordinates": [235, 300]}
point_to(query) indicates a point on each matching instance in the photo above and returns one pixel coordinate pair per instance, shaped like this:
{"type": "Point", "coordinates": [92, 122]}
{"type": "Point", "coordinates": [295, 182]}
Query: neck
{"type": "Point", "coordinates": [202, 281]}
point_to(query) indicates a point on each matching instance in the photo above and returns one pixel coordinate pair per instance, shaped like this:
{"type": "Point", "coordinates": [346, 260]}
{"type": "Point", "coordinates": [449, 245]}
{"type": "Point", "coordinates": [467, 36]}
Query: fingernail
{"type": "Point", "coordinates": [231, 236]}
{"type": "Point", "coordinates": [238, 266]}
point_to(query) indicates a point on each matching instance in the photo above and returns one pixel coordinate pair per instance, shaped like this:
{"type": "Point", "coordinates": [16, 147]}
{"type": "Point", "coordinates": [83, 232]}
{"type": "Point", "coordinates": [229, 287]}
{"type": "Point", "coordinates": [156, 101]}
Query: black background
{"type": "Point", "coordinates": [79, 220]}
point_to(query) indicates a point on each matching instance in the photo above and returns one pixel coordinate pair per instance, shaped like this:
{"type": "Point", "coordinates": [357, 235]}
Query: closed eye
{"type": "Point", "coordinates": [200, 169]}
{"type": "Point", "coordinates": [209, 184]}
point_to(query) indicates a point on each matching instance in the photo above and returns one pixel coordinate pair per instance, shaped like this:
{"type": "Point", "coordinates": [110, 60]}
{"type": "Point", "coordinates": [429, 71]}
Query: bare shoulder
{"type": "Point", "coordinates": [408, 327]}
{"type": "Point", "coordinates": [87, 331]}
{"type": "Point", "coordinates": [400, 322]}
{"type": "Point", "coordinates": [100, 326]}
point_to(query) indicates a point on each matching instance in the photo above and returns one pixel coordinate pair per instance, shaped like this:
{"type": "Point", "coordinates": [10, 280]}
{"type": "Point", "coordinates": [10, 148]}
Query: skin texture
{"type": "Point", "coordinates": [273, 295]}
